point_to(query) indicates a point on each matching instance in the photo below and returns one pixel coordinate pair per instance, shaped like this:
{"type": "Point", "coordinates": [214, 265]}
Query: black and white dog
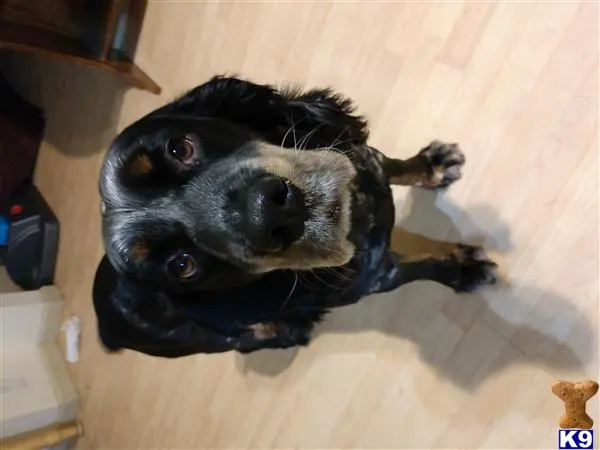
{"type": "Point", "coordinates": [237, 216]}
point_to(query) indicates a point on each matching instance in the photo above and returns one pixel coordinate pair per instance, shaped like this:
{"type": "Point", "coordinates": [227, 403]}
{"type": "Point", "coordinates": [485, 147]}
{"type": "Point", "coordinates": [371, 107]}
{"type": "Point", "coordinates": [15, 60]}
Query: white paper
{"type": "Point", "coordinates": [72, 329]}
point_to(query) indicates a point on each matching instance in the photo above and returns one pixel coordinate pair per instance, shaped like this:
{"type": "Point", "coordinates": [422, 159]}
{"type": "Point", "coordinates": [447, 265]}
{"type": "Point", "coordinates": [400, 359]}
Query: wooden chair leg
{"type": "Point", "coordinates": [44, 437]}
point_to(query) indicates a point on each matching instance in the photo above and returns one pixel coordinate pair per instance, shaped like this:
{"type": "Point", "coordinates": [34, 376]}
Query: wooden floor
{"type": "Point", "coordinates": [515, 83]}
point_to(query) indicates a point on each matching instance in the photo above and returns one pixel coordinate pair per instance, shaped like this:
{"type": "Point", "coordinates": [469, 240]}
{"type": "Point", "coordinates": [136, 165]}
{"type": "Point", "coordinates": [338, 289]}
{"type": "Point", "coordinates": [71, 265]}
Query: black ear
{"type": "Point", "coordinates": [134, 317]}
{"type": "Point", "coordinates": [272, 112]}
{"type": "Point", "coordinates": [259, 107]}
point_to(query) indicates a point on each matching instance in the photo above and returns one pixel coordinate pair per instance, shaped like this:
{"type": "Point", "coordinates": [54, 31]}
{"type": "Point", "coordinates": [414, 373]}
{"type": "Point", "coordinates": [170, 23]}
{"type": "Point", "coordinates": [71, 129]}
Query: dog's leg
{"type": "Point", "coordinates": [417, 257]}
{"type": "Point", "coordinates": [274, 334]}
{"type": "Point", "coordinates": [436, 166]}
{"type": "Point", "coordinates": [464, 268]}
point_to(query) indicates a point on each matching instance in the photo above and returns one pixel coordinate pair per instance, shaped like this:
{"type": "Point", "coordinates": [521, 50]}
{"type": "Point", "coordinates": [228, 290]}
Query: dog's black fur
{"type": "Point", "coordinates": [240, 298]}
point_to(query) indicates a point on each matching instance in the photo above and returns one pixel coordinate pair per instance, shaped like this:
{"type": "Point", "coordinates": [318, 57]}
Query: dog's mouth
{"type": "Point", "coordinates": [324, 178]}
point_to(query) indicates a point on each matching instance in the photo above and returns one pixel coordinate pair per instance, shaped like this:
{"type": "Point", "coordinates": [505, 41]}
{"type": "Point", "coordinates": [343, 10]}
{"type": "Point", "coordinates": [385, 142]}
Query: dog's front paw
{"type": "Point", "coordinates": [445, 162]}
{"type": "Point", "coordinates": [475, 269]}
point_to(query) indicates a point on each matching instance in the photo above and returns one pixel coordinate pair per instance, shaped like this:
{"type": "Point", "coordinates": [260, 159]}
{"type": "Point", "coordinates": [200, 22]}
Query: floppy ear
{"type": "Point", "coordinates": [259, 107]}
{"type": "Point", "coordinates": [134, 317]}
{"type": "Point", "coordinates": [272, 112]}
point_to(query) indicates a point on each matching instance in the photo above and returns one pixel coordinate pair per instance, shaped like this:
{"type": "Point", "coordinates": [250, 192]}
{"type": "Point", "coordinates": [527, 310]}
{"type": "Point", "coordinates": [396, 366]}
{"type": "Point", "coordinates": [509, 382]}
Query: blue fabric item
{"type": "Point", "coordinates": [4, 225]}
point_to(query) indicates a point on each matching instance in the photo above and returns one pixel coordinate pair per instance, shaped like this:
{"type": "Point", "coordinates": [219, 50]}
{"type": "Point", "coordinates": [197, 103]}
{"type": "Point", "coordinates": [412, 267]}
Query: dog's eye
{"type": "Point", "coordinates": [183, 266]}
{"type": "Point", "coordinates": [183, 150]}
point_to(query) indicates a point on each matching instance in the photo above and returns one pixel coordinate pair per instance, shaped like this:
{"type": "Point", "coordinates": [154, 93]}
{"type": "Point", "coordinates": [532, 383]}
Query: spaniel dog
{"type": "Point", "coordinates": [237, 216]}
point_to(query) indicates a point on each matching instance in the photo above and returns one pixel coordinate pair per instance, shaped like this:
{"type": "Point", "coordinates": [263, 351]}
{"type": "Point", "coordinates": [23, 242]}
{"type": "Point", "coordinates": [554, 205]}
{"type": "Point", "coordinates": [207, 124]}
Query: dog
{"type": "Point", "coordinates": [237, 216]}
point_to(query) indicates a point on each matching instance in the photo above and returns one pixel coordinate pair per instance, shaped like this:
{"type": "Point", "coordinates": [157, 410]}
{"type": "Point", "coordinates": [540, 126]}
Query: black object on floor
{"type": "Point", "coordinates": [32, 245]}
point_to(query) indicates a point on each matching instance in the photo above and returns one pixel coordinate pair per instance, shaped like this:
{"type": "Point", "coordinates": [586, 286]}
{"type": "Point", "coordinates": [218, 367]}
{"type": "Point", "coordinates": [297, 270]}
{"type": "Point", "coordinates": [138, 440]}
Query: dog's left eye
{"type": "Point", "coordinates": [183, 150]}
{"type": "Point", "coordinates": [183, 266]}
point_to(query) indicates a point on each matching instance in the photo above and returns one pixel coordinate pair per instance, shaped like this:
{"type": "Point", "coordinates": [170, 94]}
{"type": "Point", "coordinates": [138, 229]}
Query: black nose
{"type": "Point", "coordinates": [275, 213]}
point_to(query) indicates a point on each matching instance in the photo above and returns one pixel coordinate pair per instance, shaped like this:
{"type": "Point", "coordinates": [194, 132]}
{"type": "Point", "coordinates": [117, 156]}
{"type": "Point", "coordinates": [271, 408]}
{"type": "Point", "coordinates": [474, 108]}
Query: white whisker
{"type": "Point", "coordinates": [308, 136]}
{"type": "Point", "coordinates": [285, 136]}
{"type": "Point", "coordinates": [291, 292]}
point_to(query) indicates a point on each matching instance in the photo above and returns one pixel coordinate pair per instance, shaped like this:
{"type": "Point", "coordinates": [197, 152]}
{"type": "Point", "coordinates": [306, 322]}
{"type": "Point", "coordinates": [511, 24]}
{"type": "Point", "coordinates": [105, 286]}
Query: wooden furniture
{"type": "Point", "coordinates": [97, 33]}
{"type": "Point", "coordinates": [44, 437]}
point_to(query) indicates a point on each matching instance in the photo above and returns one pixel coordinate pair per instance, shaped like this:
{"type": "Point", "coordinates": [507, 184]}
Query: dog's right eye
{"type": "Point", "coordinates": [183, 150]}
{"type": "Point", "coordinates": [182, 266]}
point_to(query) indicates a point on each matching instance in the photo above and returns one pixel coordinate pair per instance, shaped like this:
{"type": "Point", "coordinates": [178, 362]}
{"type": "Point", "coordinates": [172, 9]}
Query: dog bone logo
{"type": "Point", "coordinates": [575, 395]}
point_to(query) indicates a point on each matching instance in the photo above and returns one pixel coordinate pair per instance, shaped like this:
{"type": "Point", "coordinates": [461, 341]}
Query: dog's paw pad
{"type": "Point", "coordinates": [445, 161]}
{"type": "Point", "coordinates": [475, 268]}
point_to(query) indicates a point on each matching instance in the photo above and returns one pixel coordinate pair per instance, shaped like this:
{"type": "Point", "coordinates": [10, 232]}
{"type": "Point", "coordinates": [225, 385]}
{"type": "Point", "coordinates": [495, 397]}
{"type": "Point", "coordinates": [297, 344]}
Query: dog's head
{"type": "Point", "coordinates": [197, 200]}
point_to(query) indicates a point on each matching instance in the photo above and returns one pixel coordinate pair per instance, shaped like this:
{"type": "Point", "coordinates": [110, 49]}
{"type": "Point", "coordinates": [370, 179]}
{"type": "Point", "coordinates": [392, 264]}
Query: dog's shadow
{"type": "Point", "coordinates": [446, 327]}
